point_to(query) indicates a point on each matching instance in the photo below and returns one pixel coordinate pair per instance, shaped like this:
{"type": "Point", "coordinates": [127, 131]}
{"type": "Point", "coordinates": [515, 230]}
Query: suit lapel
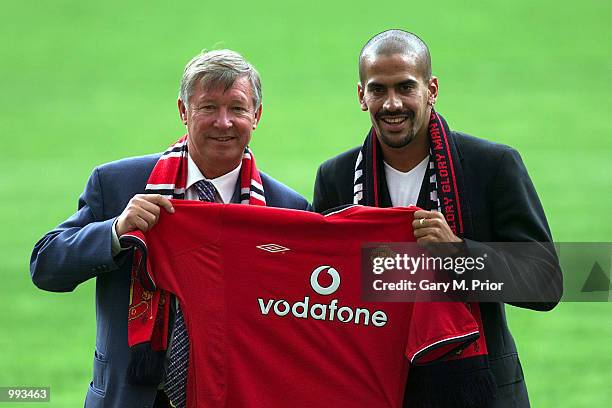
{"type": "Point", "coordinates": [236, 196]}
{"type": "Point", "coordinates": [423, 199]}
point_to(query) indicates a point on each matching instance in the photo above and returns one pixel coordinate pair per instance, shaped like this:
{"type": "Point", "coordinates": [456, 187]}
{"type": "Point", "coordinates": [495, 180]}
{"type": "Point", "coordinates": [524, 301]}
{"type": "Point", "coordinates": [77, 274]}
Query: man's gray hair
{"type": "Point", "coordinates": [219, 68]}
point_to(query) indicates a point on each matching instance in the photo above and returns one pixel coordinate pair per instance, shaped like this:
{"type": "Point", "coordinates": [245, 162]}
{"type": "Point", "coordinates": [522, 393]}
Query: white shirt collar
{"type": "Point", "coordinates": [225, 184]}
{"type": "Point", "coordinates": [415, 170]}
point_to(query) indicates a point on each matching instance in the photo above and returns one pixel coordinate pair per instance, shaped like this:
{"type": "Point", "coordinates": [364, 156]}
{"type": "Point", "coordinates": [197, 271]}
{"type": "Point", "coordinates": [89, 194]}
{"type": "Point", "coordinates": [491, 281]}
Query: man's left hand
{"type": "Point", "coordinates": [430, 227]}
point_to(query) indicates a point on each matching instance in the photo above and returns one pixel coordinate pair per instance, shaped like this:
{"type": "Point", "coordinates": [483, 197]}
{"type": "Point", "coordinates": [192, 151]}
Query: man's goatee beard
{"type": "Point", "coordinates": [398, 145]}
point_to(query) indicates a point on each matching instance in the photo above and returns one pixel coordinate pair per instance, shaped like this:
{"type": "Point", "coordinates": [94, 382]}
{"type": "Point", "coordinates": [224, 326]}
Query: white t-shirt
{"type": "Point", "coordinates": [403, 187]}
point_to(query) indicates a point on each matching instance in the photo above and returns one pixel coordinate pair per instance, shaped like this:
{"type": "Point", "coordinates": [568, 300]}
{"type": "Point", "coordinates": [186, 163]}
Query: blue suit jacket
{"type": "Point", "coordinates": [80, 249]}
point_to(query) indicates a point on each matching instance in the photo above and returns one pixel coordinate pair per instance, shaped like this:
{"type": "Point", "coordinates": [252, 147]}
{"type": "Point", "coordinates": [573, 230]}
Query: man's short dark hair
{"type": "Point", "coordinates": [396, 41]}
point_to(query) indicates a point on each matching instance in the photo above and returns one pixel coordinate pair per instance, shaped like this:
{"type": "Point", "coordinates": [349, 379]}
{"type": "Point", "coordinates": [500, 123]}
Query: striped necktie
{"type": "Point", "coordinates": [176, 375]}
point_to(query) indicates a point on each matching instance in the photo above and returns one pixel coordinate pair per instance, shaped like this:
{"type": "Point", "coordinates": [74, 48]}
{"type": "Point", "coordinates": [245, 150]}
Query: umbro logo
{"type": "Point", "coordinates": [273, 248]}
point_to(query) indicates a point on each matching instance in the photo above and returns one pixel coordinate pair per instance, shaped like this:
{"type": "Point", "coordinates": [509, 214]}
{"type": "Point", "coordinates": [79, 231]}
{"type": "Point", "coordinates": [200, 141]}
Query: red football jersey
{"type": "Point", "coordinates": [271, 299]}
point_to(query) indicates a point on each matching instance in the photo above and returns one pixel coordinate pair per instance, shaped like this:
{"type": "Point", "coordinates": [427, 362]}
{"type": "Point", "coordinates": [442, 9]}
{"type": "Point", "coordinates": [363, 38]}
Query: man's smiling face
{"type": "Point", "coordinates": [395, 93]}
{"type": "Point", "coordinates": [220, 123]}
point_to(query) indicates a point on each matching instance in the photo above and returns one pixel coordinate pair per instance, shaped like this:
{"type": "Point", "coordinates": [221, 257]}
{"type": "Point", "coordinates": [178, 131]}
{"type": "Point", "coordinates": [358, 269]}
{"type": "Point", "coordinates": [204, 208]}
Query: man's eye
{"type": "Point", "coordinates": [239, 109]}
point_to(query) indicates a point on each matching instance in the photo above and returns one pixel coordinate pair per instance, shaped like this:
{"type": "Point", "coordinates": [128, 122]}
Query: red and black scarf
{"type": "Point", "coordinates": [456, 382]}
{"type": "Point", "coordinates": [149, 309]}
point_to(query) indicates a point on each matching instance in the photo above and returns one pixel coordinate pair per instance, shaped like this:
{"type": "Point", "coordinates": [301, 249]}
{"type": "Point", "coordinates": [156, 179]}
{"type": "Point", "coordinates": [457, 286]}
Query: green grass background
{"type": "Point", "coordinates": [84, 83]}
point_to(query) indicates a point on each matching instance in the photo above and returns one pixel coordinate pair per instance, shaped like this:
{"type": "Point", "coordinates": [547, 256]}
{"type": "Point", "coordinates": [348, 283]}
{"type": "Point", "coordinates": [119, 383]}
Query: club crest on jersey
{"type": "Point", "coordinates": [303, 309]}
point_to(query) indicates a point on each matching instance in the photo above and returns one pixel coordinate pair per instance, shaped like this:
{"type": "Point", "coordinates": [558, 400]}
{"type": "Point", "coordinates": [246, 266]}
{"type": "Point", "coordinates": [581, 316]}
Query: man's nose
{"type": "Point", "coordinates": [223, 119]}
{"type": "Point", "coordinates": [393, 103]}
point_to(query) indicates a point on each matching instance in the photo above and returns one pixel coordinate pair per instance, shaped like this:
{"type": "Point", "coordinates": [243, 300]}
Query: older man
{"type": "Point", "coordinates": [220, 105]}
{"type": "Point", "coordinates": [472, 190]}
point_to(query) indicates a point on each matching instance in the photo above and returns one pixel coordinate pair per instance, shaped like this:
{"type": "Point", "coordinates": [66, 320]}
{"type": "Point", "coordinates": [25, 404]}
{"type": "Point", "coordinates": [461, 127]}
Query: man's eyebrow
{"type": "Point", "coordinates": [410, 82]}
{"type": "Point", "coordinates": [239, 99]}
{"type": "Point", "coordinates": [374, 85]}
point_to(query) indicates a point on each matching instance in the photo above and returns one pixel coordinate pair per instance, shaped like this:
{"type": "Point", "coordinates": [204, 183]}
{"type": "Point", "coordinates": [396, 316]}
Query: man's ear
{"type": "Point", "coordinates": [361, 96]}
{"type": "Point", "coordinates": [257, 116]}
{"type": "Point", "coordinates": [432, 87]}
{"type": "Point", "coordinates": [182, 111]}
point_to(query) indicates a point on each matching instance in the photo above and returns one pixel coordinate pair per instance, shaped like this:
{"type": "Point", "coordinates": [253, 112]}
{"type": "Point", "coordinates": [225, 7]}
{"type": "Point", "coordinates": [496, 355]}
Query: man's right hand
{"type": "Point", "coordinates": [142, 213]}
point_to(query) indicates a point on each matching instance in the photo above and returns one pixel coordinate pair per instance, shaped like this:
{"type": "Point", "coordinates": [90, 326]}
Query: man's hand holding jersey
{"type": "Point", "coordinates": [431, 228]}
{"type": "Point", "coordinates": [142, 213]}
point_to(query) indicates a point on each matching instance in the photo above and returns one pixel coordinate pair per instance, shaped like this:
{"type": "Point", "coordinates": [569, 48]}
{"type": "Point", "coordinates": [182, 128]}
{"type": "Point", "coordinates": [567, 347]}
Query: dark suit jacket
{"type": "Point", "coordinates": [80, 249]}
{"type": "Point", "coordinates": [505, 208]}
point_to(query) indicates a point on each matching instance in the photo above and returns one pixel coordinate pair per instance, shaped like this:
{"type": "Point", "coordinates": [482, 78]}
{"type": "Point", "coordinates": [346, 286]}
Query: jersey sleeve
{"type": "Point", "coordinates": [439, 329]}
